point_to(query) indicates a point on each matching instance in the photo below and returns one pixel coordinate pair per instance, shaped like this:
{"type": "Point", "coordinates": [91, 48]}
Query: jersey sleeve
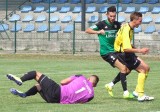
{"type": "Point", "coordinates": [97, 26]}
{"type": "Point", "coordinates": [75, 76]}
{"type": "Point", "coordinates": [126, 39]}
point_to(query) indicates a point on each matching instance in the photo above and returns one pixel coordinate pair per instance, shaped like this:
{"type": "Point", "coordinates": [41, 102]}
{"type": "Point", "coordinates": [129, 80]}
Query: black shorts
{"type": "Point", "coordinates": [110, 58]}
{"type": "Point", "coordinates": [128, 59]}
{"type": "Point", "coordinates": [50, 90]}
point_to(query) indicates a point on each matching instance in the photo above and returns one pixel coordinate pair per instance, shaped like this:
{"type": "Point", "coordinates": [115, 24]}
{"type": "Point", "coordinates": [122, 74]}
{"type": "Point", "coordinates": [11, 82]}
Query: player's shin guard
{"type": "Point", "coordinates": [31, 91]}
{"type": "Point", "coordinates": [140, 84]}
{"type": "Point", "coordinates": [29, 76]}
{"type": "Point", "coordinates": [123, 81]}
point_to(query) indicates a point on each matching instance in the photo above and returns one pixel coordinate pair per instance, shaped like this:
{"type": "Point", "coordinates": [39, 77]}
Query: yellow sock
{"type": "Point", "coordinates": [140, 84]}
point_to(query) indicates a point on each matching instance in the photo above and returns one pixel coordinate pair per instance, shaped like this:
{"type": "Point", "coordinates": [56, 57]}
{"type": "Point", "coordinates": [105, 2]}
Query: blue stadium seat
{"type": "Point", "coordinates": [15, 17]}
{"type": "Point", "coordinates": [55, 29]}
{"type": "Point", "coordinates": [120, 9]}
{"type": "Point", "coordinates": [137, 30]}
{"type": "Point", "coordinates": [18, 28]}
{"type": "Point", "coordinates": [140, 1]}
{"type": "Point", "coordinates": [40, 18]}
{"type": "Point", "coordinates": [121, 19]}
{"type": "Point", "coordinates": [152, 1]}
{"type": "Point", "coordinates": [42, 28]}
{"type": "Point", "coordinates": [93, 19]}
{"type": "Point", "coordinates": [77, 9]}
{"type": "Point", "coordinates": [126, 1]}
{"type": "Point", "coordinates": [4, 27]}
{"type": "Point", "coordinates": [144, 9]}
{"type": "Point", "coordinates": [47, 1]}
{"type": "Point", "coordinates": [156, 10]}
{"type": "Point", "coordinates": [75, 1]}
{"type": "Point", "coordinates": [26, 8]}
{"type": "Point", "coordinates": [66, 19]}
{"type": "Point", "coordinates": [68, 29]}
{"type": "Point", "coordinates": [27, 18]}
{"type": "Point", "coordinates": [62, 1]}
{"type": "Point", "coordinates": [78, 19]}
{"type": "Point", "coordinates": [89, 1]}
{"type": "Point", "coordinates": [52, 9]}
{"type": "Point", "coordinates": [147, 20]}
{"type": "Point", "coordinates": [103, 9]}
{"type": "Point", "coordinates": [39, 9]}
{"type": "Point", "coordinates": [65, 9]}
{"type": "Point", "coordinates": [54, 19]}
{"type": "Point", "coordinates": [158, 31]}
{"type": "Point", "coordinates": [157, 21]}
{"type": "Point", "coordinates": [112, 1]}
{"type": "Point", "coordinates": [100, 1]}
{"type": "Point", "coordinates": [90, 9]}
{"type": "Point", "coordinates": [150, 29]}
{"type": "Point", "coordinates": [29, 28]}
{"type": "Point", "coordinates": [36, 1]}
{"type": "Point", "coordinates": [130, 9]}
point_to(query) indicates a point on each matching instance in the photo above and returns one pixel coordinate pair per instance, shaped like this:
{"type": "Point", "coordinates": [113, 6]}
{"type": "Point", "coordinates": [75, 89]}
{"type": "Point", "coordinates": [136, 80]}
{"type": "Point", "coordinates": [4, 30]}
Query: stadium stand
{"type": "Point", "coordinates": [47, 1]}
{"type": "Point", "coordinates": [152, 1]}
{"type": "Point", "coordinates": [150, 29]}
{"type": "Point", "coordinates": [89, 1]}
{"type": "Point", "coordinates": [93, 19]}
{"type": "Point", "coordinates": [90, 9]}
{"type": "Point", "coordinates": [16, 28]}
{"type": "Point", "coordinates": [130, 9]}
{"type": "Point", "coordinates": [29, 28]}
{"type": "Point", "coordinates": [28, 18]}
{"type": "Point", "coordinates": [77, 9]}
{"type": "Point", "coordinates": [78, 19]}
{"type": "Point", "coordinates": [40, 18]}
{"type": "Point", "coordinates": [52, 9]}
{"type": "Point", "coordinates": [156, 10]}
{"type": "Point", "coordinates": [65, 9]}
{"type": "Point", "coordinates": [103, 9]}
{"type": "Point", "coordinates": [112, 1]}
{"type": "Point", "coordinates": [42, 28]}
{"type": "Point", "coordinates": [36, 1]}
{"type": "Point", "coordinates": [120, 9]}
{"type": "Point", "coordinates": [140, 1]}
{"type": "Point", "coordinates": [54, 19]}
{"type": "Point", "coordinates": [126, 1]}
{"type": "Point", "coordinates": [75, 1]}
{"type": "Point", "coordinates": [4, 27]}
{"type": "Point", "coordinates": [121, 19]}
{"type": "Point", "coordinates": [137, 30]}
{"type": "Point", "coordinates": [55, 29]}
{"type": "Point", "coordinates": [68, 29]}
{"type": "Point", "coordinates": [61, 1]}
{"type": "Point", "coordinates": [39, 9]}
{"type": "Point", "coordinates": [66, 19]}
{"type": "Point", "coordinates": [15, 17]}
{"type": "Point", "coordinates": [100, 1]}
{"type": "Point", "coordinates": [26, 9]}
{"type": "Point", "coordinates": [144, 9]}
{"type": "Point", "coordinates": [147, 20]}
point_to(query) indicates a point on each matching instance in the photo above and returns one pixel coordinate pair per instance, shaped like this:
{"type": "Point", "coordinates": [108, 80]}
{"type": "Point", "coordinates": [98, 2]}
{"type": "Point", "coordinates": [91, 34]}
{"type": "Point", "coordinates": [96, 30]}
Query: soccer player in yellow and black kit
{"type": "Point", "coordinates": [123, 45]}
{"type": "Point", "coordinates": [106, 30]}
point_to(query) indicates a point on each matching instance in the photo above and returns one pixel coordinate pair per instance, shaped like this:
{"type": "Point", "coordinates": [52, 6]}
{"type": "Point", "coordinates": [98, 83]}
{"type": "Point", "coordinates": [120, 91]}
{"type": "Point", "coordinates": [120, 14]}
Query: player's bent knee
{"type": "Point", "coordinates": [38, 87]}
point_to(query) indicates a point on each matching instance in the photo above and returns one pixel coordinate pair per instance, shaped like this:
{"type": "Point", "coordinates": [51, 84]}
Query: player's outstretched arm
{"type": "Point", "coordinates": [66, 81]}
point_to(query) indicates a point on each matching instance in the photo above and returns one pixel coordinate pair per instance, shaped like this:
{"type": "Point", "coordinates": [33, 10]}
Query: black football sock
{"type": "Point", "coordinates": [123, 81]}
{"type": "Point", "coordinates": [29, 76]}
{"type": "Point", "coordinates": [31, 91]}
{"type": "Point", "coordinates": [116, 79]}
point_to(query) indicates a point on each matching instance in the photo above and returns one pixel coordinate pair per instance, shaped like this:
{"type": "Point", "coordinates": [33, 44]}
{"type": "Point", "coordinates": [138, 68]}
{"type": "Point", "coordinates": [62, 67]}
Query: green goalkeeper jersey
{"type": "Point", "coordinates": [106, 41]}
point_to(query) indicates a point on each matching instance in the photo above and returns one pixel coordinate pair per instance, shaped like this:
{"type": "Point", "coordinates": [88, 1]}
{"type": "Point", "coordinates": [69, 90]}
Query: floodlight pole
{"type": "Point", "coordinates": [83, 15]}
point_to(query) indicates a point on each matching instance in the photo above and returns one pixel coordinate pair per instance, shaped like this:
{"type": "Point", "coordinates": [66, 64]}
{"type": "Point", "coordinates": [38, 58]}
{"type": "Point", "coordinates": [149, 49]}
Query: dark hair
{"type": "Point", "coordinates": [111, 9]}
{"type": "Point", "coordinates": [135, 16]}
{"type": "Point", "coordinates": [96, 79]}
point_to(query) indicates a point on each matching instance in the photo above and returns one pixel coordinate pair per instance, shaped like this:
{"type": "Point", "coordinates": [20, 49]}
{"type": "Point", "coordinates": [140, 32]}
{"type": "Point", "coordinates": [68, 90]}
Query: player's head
{"type": "Point", "coordinates": [111, 14]}
{"type": "Point", "coordinates": [136, 18]}
{"type": "Point", "coordinates": [94, 79]}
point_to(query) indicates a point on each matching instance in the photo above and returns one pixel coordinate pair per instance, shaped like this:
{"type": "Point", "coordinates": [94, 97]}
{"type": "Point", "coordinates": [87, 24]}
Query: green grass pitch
{"type": "Point", "coordinates": [59, 67]}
